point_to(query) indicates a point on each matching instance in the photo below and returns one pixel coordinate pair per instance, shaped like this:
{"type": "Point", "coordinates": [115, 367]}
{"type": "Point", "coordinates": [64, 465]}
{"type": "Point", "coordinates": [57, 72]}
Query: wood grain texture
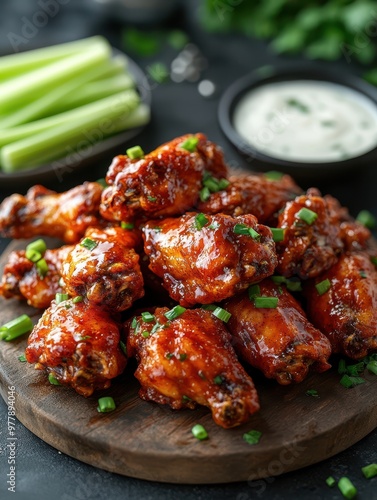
{"type": "Point", "coordinates": [149, 441]}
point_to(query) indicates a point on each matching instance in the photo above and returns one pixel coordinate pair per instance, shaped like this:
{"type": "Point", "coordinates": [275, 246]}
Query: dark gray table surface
{"type": "Point", "coordinates": [44, 473]}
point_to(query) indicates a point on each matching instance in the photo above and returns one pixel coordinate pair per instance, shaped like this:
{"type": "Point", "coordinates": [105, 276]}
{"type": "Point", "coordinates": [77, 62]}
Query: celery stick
{"type": "Point", "coordinates": [119, 65]}
{"type": "Point", "coordinates": [17, 64]}
{"type": "Point", "coordinates": [48, 77]}
{"type": "Point", "coordinates": [27, 152]}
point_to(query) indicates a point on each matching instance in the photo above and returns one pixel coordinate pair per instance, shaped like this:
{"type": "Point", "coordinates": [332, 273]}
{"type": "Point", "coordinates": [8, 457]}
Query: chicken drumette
{"type": "Point", "coordinates": [204, 259]}
{"type": "Point", "coordinates": [279, 340]}
{"type": "Point", "coordinates": [105, 269]}
{"type": "Point", "coordinates": [165, 182]}
{"type": "Point", "coordinates": [344, 305]}
{"type": "Point", "coordinates": [188, 360]}
{"type": "Point", "coordinates": [79, 344]}
{"type": "Point", "coordinates": [43, 212]}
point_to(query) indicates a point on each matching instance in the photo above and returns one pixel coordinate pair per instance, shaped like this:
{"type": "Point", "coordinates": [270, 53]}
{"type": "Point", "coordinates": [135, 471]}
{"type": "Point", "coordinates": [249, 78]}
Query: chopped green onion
{"type": "Point", "coordinates": [61, 297]}
{"type": "Point", "coordinates": [157, 229]}
{"type": "Point", "coordinates": [33, 255]}
{"type": "Point", "coordinates": [347, 489]}
{"type": "Point", "coordinates": [127, 225]}
{"type": "Point", "coordinates": [199, 432]}
{"type": "Point", "coordinates": [42, 268]}
{"type": "Point", "coordinates": [374, 261]}
{"type": "Point", "coordinates": [190, 144]}
{"type": "Point", "coordinates": [145, 334]}
{"type": "Point", "coordinates": [279, 280]}
{"type": "Point", "coordinates": [152, 199]}
{"type": "Point", "coordinates": [78, 299]}
{"type": "Point", "coordinates": [106, 404]}
{"type": "Point", "coordinates": [169, 355]}
{"type": "Point", "coordinates": [89, 244]}
{"type": "Point", "coordinates": [312, 392]}
{"type": "Point", "coordinates": [102, 182]}
{"type": "Point", "coordinates": [212, 184]}
{"type": "Point", "coordinates": [241, 229]}
{"type": "Point", "coordinates": [37, 246]}
{"type": "Point", "coordinates": [209, 307]}
{"type": "Point", "coordinates": [148, 317]}
{"type": "Point", "coordinates": [362, 274]}
{"type": "Point", "coordinates": [277, 234]}
{"type": "Point", "coordinates": [294, 285]}
{"type": "Point", "coordinates": [218, 380]}
{"type": "Point", "coordinates": [123, 347]}
{"type": "Point", "coordinates": [307, 215]}
{"type": "Point", "coordinates": [214, 225]}
{"type": "Point", "coordinates": [349, 382]}
{"type": "Point", "coordinates": [223, 184]}
{"type": "Point", "coordinates": [135, 153]}
{"type": "Point", "coordinates": [200, 221]}
{"type": "Point", "coordinates": [134, 322]}
{"type": "Point", "coordinates": [273, 175]}
{"type": "Point", "coordinates": [266, 302]}
{"type": "Point", "coordinates": [253, 291]}
{"type": "Point", "coordinates": [53, 380]}
{"type": "Point", "coordinates": [342, 367]}
{"type": "Point", "coordinates": [174, 313]}
{"type": "Point", "coordinates": [355, 370]}
{"type": "Point", "coordinates": [252, 437]}
{"type": "Point", "coordinates": [222, 314]}
{"type": "Point", "coordinates": [323, 287]}
{"type": "Point", "coordinates": [186, 399]}
{"type": "Point", "coordinates": [22, 358]}
{"type": "Point", "coordinates": [366, 219]}
{"type": "Point", "coordinates": [254, 234]}
{"type": "Point", "coordinates": [182, 357]}
{"type": "Point", "coordinates": [330, 481]}
{"type": "Point", "coordinates": [369, 471]}
{"type": "Point", "coordinates": [372, 367]}
{"type": "Point", "coordinates": [15, 328]}
{"type": "Point", "coordinates": [204, 194]}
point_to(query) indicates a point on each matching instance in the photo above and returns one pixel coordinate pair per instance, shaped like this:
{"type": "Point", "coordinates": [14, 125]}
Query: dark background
{"type": "Point", "coordinates": [44, 473]}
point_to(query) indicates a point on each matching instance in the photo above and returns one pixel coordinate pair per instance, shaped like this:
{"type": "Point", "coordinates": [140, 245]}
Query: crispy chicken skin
{"type": "Point", "coordinates": [308, 249]}
{"type": "Point", "coordinates": [43, 212]}
{"type": "Point", "coordinates": [109, 274]}
{"type": "Point", "coordinates": [22, 281]}
{"type": "Point", "coordinates": [280, 342]}
{"type": "Point", "coordinates": [190, 360]}
{"type": "Point", "coordinates": [252, 194]}
{"type": "Point", "coordinates": [200, 266]}
{"type": "Point", "coordinates": [79, 344]}
{"type": "Point", "coordinates": [347, 312]}
{"type": "Point", "coordinates": [165, 182]}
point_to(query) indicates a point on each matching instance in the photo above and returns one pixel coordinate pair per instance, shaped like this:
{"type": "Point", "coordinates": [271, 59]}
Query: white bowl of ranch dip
{"type": "Point", "coordinates": [304, 121]}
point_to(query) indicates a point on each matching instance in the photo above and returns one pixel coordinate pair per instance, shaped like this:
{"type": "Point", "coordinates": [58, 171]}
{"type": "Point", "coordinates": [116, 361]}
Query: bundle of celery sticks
{"type": "Point", "coordinates": [57, 99]}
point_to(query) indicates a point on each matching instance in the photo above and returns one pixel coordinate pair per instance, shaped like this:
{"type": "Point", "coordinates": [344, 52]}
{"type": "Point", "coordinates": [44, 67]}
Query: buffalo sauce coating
{"type": "Point", "coordinates": [278, 341]}
{"type": "Point", "coordinates": [347, 311]}
{"type": "Point", "coordinates": [79, 344]}
{"type": "Point", "coordinates": [109, 274]}
{"type": "Point", "coordinates": [164, 182]}
{"type": "Point", "coordinates": [211, 263]}
{"type": "Point", "coordinates": [190, 360]}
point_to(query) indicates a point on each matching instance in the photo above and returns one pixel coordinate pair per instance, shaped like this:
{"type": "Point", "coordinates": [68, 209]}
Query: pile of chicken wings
{"type": "Point", "coordinates": [195, 273]}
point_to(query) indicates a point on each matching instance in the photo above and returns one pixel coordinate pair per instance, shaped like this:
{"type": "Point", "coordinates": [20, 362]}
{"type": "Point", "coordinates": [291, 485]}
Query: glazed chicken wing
{"type": "Point", "coordinates": [190, 360]}
{"type": "Point", "coordinates": [252, 194]}
{"type": "Point", "coordinates": [43, 212]}
{"type": "Point", "coordinates": [77, 343]}
{"type": "Point", "coordinates": [105, 269]}
{"type": "Point", "coordinates": [311, 241]}
{"type": "Point", "coordinates": [347, 311]}
{"type": "Point", "coordinates": [22, 280]}
{"type": "Point", "coordinates": [165, 182]}
{"type": "Point", "coordinates": [204, 259]}
{"type": "Point", "coordinates": [278, 341]}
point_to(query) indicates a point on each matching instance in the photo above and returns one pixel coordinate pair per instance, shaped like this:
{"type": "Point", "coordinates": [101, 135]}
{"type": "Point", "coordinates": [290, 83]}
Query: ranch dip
{"type": "Point", "coordinates": [308, 120]}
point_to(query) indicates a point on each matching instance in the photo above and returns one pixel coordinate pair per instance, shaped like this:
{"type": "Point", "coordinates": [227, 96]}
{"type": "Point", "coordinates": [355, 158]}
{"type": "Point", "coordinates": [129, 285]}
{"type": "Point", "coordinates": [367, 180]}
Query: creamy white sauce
{"type": "Point", "coordinates": [310, 121]}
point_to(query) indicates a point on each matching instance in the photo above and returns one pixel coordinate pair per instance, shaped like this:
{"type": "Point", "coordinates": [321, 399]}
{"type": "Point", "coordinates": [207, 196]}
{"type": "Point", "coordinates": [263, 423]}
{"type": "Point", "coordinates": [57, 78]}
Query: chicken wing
{"type": "Point", "coordinates": [252, 194]}
{"type": "Point", "coordinates": [278, 341]}
{"type": "Point", "coordinates": [204, 259]}
{"type": "Point", "coordinates": [165, 182]}
{"type": "Point", "coordinates": [190, 360]}
{"type": "Point", "coordinates": [347, 311]}
{"type": "Point", "coordinates": [311, 245]}
{"type": "Point", "coordinates": [22, 280]}
{"type": "Point", "coordinates": [79, 344]}
{"type": "Point", "coordinates": [104, 267]}
{"type": "Point", "coordinates": [43, 212]}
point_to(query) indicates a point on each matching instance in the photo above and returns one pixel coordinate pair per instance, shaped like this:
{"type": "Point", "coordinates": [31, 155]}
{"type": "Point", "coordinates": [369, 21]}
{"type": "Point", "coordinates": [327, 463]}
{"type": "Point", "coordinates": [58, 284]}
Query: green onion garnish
{"type": "Point", "coordinates": [222, 314]}
{"type": "Point", "coordinates": [277, 234]}
{"type": "Point", "coordinates": [252, 437]}
{"type": "Point", "coordinates": [42, 268]}
{"type": "Point", "coordinates": [347, 489]}
{"type": "Point", "coordinates": [330, 481]}
{"type": "Point", "coordinates": [135, 152]}
{"type": "Point", "coordinates": [78, 299]}
{"type": "Point", "coordinates": [366, 219]}
{"type": "Point", "coordinates": [53, 380]}
{"type": "Point", "coordinates": [294, 285]}
{"type": "Point", "coordinates": [33, 255]}
{"type": "Point", "coordinates": [273, 175]}
{"type": "Point", "coordinates": [254, 234]}
{"type": "Point", "coordinates": [200, 221]}
{"type": "Point", "coordinates": [182, 356]}
{"type": "Point", "coordinates": [199, 432]}
{"type": "Point", "coordinates": [266, 302]}
{"type": "Point", "coordinates": [323, 287]}
{"type": "Point", "coordinates": [209, 307]}
{"type": "Point", "coordinates": [349, 382]}
{"type": "Point", "coordinates": [127, 225]}
{"type": "Point", "coordinates": [342, 367]}
{"type": "Point", "coordinates": [169, 355]}
{"type": "Point", "coordinates": [190, 144]}
{"type": "Point", "coordinates": [218, 380]}
{"type": "Point", "coordinates": [204, 194]}
{"type": "Point", "coordinates": [106, 404]}
{"type": "Point", "coordinates": [372, 367]}
{"type": "Point", "coordinates": [241, 229]}
{"type": "Point", "coordinates": [102, 182]}
{"type": "Point", "coordinates": [374, 261]}
{"type": "Point", "coordinates": [61, 297]}
{"type": "Point", "coordinates": [279, 280]}
{"type": "Point", "coordinates": [134, 322]}
{"type": "Point", "coordinates": [362, 274]}
{"type": "Point", "coordinates": [369, 470]}
{"type": "Point", "coordinates": [89, 244]}
{"type": "Point", "coordinates": [148, 317]}
{"type": "Point", "coordinates": [175, 312]}
{"type": "Point", "coordinates": [15, 328]}
{"type": "Point", "coordinates": [212, 184]}
{"type": "Point", "coordinates": [355, 370]}
{"type": "Point", "coordinates": [223, 184]}
{"type": "Point", "coordinates": [253, 291]}
{"type": "Point", "coordinates": [22, 358]}
{"type": "Point", "coordinates": [37, 246]}
{"type": "Point", "coordinates": [186, 399]}
{"type": "Point", "coordinates": [152, 199]}
{"type": "Point", "coordinates": [307, 215]}
{"type": "Point", "coordinates": [123, 347]}
{"type": "Point", "coordinates": [312, 392]}
{"type": "Point", "coordinates": [145, 334]}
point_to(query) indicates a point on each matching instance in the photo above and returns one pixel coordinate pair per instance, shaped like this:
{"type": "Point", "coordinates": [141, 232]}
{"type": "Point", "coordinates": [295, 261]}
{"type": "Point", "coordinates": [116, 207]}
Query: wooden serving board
{"type": "Point", "coordinates": [149, 441]}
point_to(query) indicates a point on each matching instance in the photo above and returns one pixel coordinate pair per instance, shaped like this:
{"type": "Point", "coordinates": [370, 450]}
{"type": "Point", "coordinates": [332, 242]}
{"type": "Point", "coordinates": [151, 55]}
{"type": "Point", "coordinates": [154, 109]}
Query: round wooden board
{"type": "Point", "coordinates": [149, 441]}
